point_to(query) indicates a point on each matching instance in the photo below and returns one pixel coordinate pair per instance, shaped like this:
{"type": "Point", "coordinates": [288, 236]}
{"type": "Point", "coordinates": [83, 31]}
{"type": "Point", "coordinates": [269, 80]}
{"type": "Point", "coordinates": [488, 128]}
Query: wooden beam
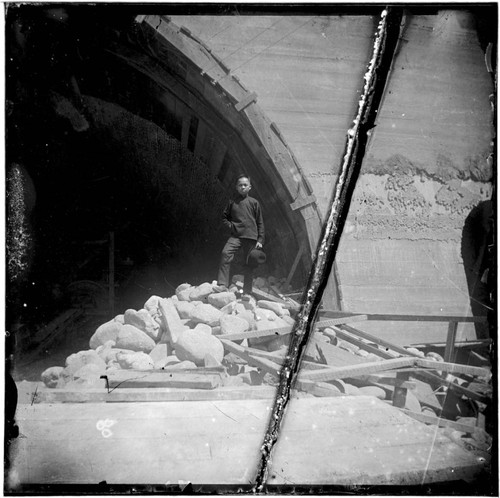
{"type": "Point", "coordinates": [454, 368]}
{"type": "Point", "coordinates": [302, 202]}
{"type": "Point", "coordinates": [450, 341]}
{"type": "Point", "coordinates": [144, 394]}
{"type": "Point", "coordinates": [356, 370]}
{"type": "Point", "coordinates": [263, 363]}
{"type": "Point", "coordinates": [246, 101]}
{"type": "Point", "coordinates": [125, 379]}
{"type": "Point", "coordinates": [399, 396]}
{"type": "Point", "coordinates": [358, 342]}
{"type": "Point", "coordinates": [295, 263]}
{"type": "Point", "coordinates": [411, 318]}
{"type": "Point", "coordinates": [441, 422]}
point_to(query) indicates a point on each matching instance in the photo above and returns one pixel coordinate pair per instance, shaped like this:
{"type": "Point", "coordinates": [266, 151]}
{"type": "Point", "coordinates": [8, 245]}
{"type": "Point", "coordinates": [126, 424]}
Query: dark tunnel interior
{"type": "Point", "coordinates": [81, 168]}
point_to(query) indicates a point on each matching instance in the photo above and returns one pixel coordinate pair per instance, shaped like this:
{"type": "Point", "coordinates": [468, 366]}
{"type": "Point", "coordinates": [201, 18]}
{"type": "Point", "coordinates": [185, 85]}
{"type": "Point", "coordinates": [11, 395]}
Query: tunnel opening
{"type": "Point", "coordinates": [109, 152]}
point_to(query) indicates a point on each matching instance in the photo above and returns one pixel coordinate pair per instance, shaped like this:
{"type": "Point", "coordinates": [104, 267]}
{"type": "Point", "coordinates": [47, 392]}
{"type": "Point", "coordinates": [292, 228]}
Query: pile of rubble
{"type": "Point", "coordinates": [178, 333]}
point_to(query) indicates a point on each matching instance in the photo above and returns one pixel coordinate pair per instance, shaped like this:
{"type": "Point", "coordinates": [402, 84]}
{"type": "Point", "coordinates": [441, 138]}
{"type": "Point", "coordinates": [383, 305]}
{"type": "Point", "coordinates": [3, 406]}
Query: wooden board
{"type": "Point", "coordinates": [334, 440]}
{"type": "Point", "coordinates": [126, 379]}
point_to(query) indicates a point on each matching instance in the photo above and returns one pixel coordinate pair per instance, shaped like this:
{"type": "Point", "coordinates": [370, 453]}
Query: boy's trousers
{"type": "Point", "coordinates": [233, 245]}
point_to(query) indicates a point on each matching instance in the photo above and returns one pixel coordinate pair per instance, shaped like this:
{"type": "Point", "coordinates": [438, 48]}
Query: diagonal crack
{"type": "Point", "coordinates": [386, 40]}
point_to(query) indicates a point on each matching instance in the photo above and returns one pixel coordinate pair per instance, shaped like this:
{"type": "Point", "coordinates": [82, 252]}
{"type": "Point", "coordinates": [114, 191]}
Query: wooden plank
{"type": "Point", "coordinates": [252, 334]}
{"type": "Point", "coordinates": [440, 422]}
{"type": "Point", "coordinates": [246, 101]}
{"type": "Point", "coordinates": [263, 363]}
{"type": "Point", "coordinates": [144, 394]}
{"type": "Point", "coordinates": [295, 263]}
{"type": "Point", "coordinates": [356, 370]}
{"type": "Point", "coordinates": [302, 202]}
{"type": "Point", "coordinates": [358, 342]}
{"type": "Point", "coordinates": [450, 341]}
{"type": "Point", "coordinates": [399, 396]}
{"type": "Point", "coordinates": [334, 356]}
{"type": "Point", "coordinates": [411, 318]}
{"type": "Point", "coordinates": [391, 381]}
{"type": "Point", "coordinates": [454, 368]}
{"type": "Point", "coordinates": [125, 379]}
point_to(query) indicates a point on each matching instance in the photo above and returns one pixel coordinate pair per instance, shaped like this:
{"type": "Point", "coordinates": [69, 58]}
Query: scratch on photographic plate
{"type": "Point", "coordinates": [357, 137]}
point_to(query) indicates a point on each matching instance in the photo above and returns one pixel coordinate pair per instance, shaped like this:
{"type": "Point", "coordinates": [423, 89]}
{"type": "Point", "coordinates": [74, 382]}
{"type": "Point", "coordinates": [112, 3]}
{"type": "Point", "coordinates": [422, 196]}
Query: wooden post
{"type": "Point", "coordinates": [399, 397]}
{"type": "Point", "coordinates": [111, 277]}
{"type": "Point", "coordinates": [450, 342]}
{"type": "Point", "coordinates": [294, 266]}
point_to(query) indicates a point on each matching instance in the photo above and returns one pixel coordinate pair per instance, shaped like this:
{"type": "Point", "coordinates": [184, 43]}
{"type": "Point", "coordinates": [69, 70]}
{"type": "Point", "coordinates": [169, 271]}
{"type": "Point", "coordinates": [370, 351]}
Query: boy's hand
{"type": "Point", "coordinates": [258, 245]}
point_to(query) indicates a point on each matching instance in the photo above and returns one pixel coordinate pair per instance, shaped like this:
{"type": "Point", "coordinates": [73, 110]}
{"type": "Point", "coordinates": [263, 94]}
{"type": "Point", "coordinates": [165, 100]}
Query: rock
{"type": "Point", "coordinates": [184, 308]}
{"type": "Point", "coordinates": [330, 333]}
{"type": "Point", "coordinates": [201, 292]}
{"type": "Point", "coordinates": [210, 361]}
{"type": "Point", "coordinates": [362, 353]}
{"type": "Point", "coordinates": [143, 321]}
{"type": "Point", "coordinates": [271, 305]}
{"type": "Point", "coordinates": [277, 343]}
{"type": "Point", "coordinates": [151, 305]}
{"type": "Point", "coordinates": [91, 371]}
{"type": "Point", "coordinates": [203, 328]}
{"type": "Point", "coordinates": [194, 346]}
{"type": "Point", "coordinates": [415, 351]}
{"type": "Point", "coordinates": [434, 356]}
{"type": "Point", "coordinates": [252, 378]}
{"type": "Point", "coordinates": [288, 319]}
{"type": "Point", "coordinates": [159, 355]}
{"type": "Point", "coordinates": [251, 304]}
{"type": "Point", "coordinates": [216, 330]}
{"type": "Point", "coordinates": [50, 377]}
{"type": "Point", "coordinates": [233, 324]}
{"type": "Point", "coordinates": [77, 360]}
{"type": "Point", "coordinates": [171, 321]}
{"type": "Point", "coordinates": [206, 313]}
{"type": "Point", "coordinates": [182, 365]}
{"type": "Point", "coordinates": [106, 332]}
{"type": "Point", "coordinates": [249, 317]}
{"type": "Point", "coordinates": [240, 308]}
{"type": "Point", "coordinates": [259, 282]}
{"type": "Point", "coordinates": [184, 295]}
{"type": "Point", "coordinates": [171, 360]}
{"type": "Point", "coordinates": [135, 361]}
{"type": "Point", "coordinates": [109, 354]}
{"type": "Point", "coordinates": [221, 299]}
{"type": "Point", "coordinates": [119, 318]}
{"type": "Point", "coordinates": [429, 411]}
{"type": "Point", "coordinates": [183, 287]}
{"type": "Point", "coordinates": [347, 346]}
{"type": "Point", "coordinates": [131, 337]}
{"type": "Point", "coordinates": [265, 314]}
{"type": "Point", "coordinates": [375, 391]}
{"type": "Point", "coordinates": [412, 402]}
{"type": "Point", "coordinates": [230, 308]}
{"type": "Point", "coordinates": [351, 390]}
{"type": "Point", "coordinates": [238, 279]}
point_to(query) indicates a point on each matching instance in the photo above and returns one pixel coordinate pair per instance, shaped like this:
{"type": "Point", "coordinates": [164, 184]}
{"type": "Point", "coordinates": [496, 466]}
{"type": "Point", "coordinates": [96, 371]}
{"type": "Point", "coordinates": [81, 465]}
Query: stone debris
{"type": "Point", "coordinates": [242, 341]}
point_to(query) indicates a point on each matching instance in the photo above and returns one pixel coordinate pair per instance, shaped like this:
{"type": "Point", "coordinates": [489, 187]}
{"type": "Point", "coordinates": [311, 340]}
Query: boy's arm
{"type": "Point", "coordinates": [226, 216]}
{"type": "Point", "coordinates": [260, 224]}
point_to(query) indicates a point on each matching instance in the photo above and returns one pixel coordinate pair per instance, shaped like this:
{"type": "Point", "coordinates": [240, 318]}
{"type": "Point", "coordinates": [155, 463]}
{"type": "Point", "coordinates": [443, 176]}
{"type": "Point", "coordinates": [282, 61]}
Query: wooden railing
{"type": "Point", "coordinates": [452, 321]}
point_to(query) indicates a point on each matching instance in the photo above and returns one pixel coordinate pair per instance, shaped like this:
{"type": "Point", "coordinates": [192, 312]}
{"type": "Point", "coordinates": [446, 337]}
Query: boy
{"type": "Point", "coordinates": [243, 217]}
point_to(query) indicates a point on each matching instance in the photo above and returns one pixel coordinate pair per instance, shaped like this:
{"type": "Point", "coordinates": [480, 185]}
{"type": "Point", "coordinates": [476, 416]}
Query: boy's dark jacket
{"type": "Point", "coordinates": [243, 216]}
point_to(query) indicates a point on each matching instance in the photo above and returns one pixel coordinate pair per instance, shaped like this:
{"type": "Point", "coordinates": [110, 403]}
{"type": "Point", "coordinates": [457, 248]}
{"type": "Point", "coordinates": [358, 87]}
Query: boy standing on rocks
{"type": "Point", "coordinates": [243, 216]}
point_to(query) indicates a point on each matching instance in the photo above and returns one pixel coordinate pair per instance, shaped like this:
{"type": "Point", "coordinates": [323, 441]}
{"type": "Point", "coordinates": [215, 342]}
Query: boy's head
{"type": "Point", "coordinates": [243, 185]}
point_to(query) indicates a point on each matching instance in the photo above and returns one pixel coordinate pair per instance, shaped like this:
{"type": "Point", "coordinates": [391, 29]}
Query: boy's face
{"type": "Point", "coordinates": [243, 186]}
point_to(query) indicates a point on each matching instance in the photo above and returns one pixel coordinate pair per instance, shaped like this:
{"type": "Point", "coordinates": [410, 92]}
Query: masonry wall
{"type": "Point", "coordinates": [426, 166]}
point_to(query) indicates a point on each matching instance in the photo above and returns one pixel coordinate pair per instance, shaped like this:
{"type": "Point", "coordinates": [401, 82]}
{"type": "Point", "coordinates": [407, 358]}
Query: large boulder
{"type": "Point", "coordinates": [265, 314]}
{"type": "Point", "coordinates": [131, 337]}
{"type": "Point", "coordinates": [171, 321]}
{"type": "Point", "coordinates": [203, 328]}
{"type": "Point", "coordinates": [185, 308]}
{"type": "Point", "coordinates": [109, 354]}
{"type": "Point", "coordinates": [194, 346]}
{"type": "Point", "coordinates": [206, 313]}
{"type": "Point", "coordinates": [151, 305]}
{"type": "Point", "coordinates": [201, 292]}
{"type": "Point", "coordinates": [51, 376]}
{"type": "Point", "coordinates": [221, 299]}
{"type": "Point", "coordinates": [106, 332]}
{"type": "Point", "coordinates": [77, 360]}
{"type": "Point", "coordinates": [143, 320]}
{"type": "Point", "coordinates": [249, 316]}
{"type": "Point", "coordinates": [135, 361]}
{"type": "Point", "coordinates": [233, 324]}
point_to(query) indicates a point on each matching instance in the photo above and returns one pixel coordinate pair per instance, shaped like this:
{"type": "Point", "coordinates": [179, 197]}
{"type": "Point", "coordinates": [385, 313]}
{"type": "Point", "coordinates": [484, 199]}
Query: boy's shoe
{"type": "Point", "coordinates": [220, 288]}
